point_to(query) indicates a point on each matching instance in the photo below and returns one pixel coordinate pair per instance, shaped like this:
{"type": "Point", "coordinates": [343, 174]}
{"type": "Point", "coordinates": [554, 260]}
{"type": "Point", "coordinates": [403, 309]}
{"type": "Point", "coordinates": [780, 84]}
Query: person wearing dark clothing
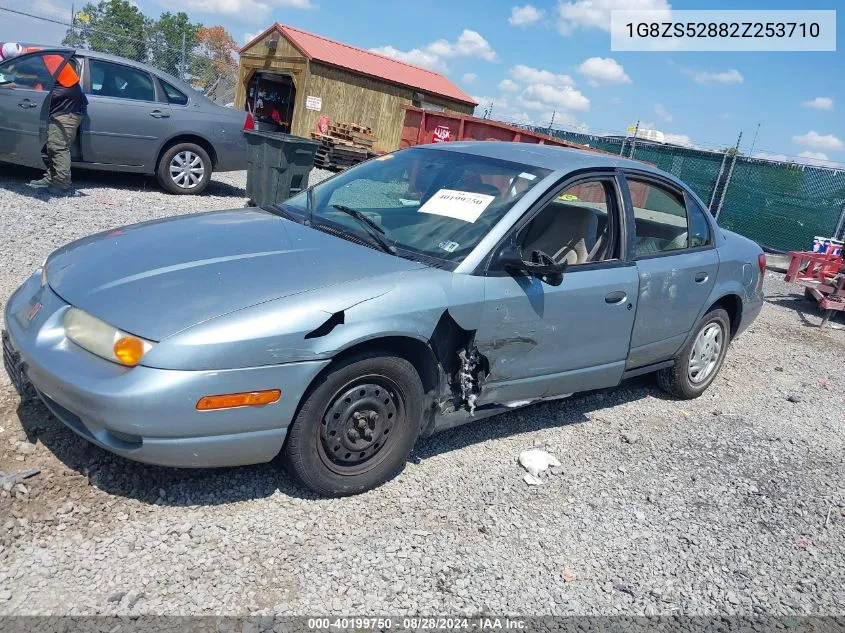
{"type": "Point", "coordinates": [67, 109]}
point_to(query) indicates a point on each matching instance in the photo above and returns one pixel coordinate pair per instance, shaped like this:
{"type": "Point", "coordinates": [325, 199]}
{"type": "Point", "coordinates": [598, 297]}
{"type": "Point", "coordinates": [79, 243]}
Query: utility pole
{"type": "Point", "coordinates": [634, 140]}
{"type": "Point", "coordinates": [728, 178]}
{"type": "Point", "coordinates": [184, 52]}
{"type": "Point", "coordinates": [754, 142]}
{"type": "Point", "coordinates": [73, 24]}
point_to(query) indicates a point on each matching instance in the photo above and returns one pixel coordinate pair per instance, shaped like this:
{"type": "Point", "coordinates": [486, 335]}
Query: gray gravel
{"type": "Point", "coordinates": [732, 503]}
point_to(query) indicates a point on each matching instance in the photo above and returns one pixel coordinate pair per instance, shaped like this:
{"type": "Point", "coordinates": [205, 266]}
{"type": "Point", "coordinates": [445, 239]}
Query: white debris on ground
{"type": "Point", "coordinates": [536, 461]}
{"type": "Point", "coordinates": [733, 503]}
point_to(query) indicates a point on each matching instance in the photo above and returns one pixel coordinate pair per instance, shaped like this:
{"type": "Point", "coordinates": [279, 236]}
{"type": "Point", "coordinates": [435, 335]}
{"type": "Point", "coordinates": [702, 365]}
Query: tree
{"type": "Point", "coordinates": [218, 58]}
{"type": "Point", "coordinates": [165, 41]}
{"type": "Point", "coordinates": [111, 26]}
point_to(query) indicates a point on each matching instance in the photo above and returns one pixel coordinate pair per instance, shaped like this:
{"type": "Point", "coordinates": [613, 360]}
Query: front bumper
{"type": "Point", "coordinates": [143, 413]}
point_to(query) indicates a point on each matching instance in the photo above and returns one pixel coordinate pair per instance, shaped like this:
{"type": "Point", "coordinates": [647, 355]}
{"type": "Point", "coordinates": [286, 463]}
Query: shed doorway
{"type": "Point", "coordinates": [271, 98]}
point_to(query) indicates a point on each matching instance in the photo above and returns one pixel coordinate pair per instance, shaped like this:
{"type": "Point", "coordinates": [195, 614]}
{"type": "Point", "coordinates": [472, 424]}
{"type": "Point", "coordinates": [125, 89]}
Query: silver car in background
{"type": "Point", "coordinates": [406, 295]}
{"type": "Point", "coordinates": [139, 120]}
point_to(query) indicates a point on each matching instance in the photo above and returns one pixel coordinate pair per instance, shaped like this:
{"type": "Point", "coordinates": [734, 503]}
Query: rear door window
{"type": "Point", "coordinates": [660, 218]}
{"type": "Point", "coordinates": [116, 80]}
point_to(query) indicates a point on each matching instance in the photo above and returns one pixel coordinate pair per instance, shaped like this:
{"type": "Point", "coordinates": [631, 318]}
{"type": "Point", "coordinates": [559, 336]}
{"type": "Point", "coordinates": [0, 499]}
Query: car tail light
{"type": "Point", "coordinates": [761, 263]}
{"type": "Point", "coordinates": [249, 124]}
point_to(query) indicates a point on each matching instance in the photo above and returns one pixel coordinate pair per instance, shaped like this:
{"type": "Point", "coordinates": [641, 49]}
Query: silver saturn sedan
{"type": "Point", "coordinates": [139, 119]}
{"type": "Point", "coordinates": [412, 293]}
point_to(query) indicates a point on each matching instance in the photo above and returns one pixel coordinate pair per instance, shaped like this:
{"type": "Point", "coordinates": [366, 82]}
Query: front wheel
{"type": "Point", "coordinates": [357, 425]}
{"type": "Point", "coordinates": [185, 168]}
{"type": "Point", "coordinates": [700, 359]}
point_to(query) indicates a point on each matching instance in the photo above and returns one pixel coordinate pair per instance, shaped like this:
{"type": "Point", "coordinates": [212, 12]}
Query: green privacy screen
{"type": "Point", "coordinates": [780, 205]}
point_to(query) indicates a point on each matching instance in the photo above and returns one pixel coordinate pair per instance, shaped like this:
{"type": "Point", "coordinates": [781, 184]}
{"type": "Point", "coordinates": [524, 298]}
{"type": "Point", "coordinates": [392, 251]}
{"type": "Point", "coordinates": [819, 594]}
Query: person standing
{"type": "Point", "coordinates": [68, 106]}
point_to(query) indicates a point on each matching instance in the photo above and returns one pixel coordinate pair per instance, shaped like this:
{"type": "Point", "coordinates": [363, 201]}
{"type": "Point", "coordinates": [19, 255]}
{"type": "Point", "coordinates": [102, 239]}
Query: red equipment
{"type": "Point", "coordinates": [823, 278]}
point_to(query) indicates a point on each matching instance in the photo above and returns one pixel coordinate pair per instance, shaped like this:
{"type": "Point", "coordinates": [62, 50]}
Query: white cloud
{"type": "Point", "coordinates": [506, 85]}
{"type": "Point", "coordinates": [251, 10]}
{"type": "Point", "coordinates": [819, 103]}
{"type": "Point", "coordinates": [469, 44]}
{"type": "Point", "coordinates": [529, 75]}
{"type": "Point", "coordinates": [49, 9]}
{"type": "Point", "coordinates": [565, 97]}
{"type": "Point", "coordinates": [783, 158]}
{"type": "Point", "coordinates": [414, 56]}
{"type": "Point", "coordinates": [603, 69]}
{"type": "Point", "coordinates": [523, 16]}
{"type": "Point", "coordinates": [731, 76]}
{"type": "Point", "coordinates": [469, 78]}
{"type": "Point", "coordinates": [678, 139]}
{"type": "Point", "coordinates": [661, 111]}
{"type": "Point", "coordinates": [248, 37]}
{"type": "Point", "coordinates": [814, 140]}
{"type": "Point", "coordinates": [586, 14]}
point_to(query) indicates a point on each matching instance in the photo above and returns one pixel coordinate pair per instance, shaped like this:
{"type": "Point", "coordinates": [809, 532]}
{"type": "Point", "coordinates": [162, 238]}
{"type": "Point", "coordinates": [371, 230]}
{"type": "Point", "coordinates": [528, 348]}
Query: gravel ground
{"type": "Point", "coordinates": [732, 503]}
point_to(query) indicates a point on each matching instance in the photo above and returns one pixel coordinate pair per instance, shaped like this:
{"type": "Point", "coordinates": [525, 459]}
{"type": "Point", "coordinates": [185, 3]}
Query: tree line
{"type": "Point", "coordinates": [120, 28]}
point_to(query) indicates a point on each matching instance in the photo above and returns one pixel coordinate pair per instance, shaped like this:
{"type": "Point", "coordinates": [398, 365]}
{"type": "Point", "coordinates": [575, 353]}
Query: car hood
{"type": "Point", "coordinates": [158, 278]}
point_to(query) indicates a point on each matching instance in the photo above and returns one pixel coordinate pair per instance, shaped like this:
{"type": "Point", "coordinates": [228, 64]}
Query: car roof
{"type": "Point", "coordinates": [546, 156]}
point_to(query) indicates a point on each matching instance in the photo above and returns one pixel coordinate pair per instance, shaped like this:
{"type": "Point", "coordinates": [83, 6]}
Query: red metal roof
{"type": "Point", "coordinates": [358, 60]}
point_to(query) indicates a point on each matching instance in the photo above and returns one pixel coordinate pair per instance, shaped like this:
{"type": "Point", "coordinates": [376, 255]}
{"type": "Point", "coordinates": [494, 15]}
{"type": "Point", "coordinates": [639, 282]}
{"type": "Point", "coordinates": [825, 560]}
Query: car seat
{"type": "Point", "coordinates": [565, 232]}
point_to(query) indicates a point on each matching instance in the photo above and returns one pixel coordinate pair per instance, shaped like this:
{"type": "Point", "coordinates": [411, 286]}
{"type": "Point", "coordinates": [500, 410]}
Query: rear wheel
{"type": "Point", "coordinates": [185, 168]}
{"type": "Point", "coordinates": [700, 359]}
{"type": "Point", "coordinates": [357, 425]}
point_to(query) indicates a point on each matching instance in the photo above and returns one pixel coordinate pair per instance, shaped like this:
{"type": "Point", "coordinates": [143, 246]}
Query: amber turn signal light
{"type": "Point", "coordinates": [129, 350]}
{"type": "Point", "coordinates": [245, 399]}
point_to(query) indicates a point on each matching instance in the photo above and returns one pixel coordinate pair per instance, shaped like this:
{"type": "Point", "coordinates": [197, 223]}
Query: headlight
{"type": "Point", "coordinates": [102, 339]}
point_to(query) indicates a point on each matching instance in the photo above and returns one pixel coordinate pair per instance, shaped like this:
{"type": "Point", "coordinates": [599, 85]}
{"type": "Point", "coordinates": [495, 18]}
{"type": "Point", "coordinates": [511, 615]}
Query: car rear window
{"type": "Point", "coordinates": [174, 95]}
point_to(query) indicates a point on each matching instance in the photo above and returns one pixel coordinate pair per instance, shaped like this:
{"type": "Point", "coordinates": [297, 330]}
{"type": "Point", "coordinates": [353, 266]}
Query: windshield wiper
{"type": "Point", "coordinates": [373, 229]}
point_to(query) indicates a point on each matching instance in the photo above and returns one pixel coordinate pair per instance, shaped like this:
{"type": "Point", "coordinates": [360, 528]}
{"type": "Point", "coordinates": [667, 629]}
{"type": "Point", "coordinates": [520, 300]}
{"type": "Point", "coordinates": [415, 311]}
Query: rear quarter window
{"type": "Point", "coordinates": [174, 95]}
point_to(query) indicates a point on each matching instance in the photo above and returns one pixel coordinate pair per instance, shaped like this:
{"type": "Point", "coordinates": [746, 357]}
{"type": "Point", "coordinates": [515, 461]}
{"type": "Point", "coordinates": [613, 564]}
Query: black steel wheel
{"type": "Point", "coordinates": [356, 426]}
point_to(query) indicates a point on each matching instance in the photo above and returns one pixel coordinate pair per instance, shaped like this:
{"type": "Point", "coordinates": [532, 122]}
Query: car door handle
{"type": "Point", "coordinates": [158, 114]}
{"type": "Point", "coordinates": [700, 278]}
{"type": "Point", "coordinates": [616, 297]}
{"type": "Point", "coordinates": [26, 103]}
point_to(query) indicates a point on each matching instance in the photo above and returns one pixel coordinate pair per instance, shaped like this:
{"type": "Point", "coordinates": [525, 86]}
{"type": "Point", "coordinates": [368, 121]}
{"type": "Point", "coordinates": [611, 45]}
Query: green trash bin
{"type": "Point", "coordinates": [278, 165]}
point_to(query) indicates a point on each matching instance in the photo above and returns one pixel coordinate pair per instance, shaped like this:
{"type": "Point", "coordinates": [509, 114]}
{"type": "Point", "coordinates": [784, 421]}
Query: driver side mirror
{"type": "Point", "coordinates": [511, 258]}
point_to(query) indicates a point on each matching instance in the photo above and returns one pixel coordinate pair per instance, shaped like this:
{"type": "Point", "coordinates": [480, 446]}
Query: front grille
{"type": "Point", "coordinates": [14, 366]}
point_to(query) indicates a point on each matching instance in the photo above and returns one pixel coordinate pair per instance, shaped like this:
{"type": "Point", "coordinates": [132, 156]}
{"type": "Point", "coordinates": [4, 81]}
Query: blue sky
{"type": "Point", "coordinates": [554, 55]}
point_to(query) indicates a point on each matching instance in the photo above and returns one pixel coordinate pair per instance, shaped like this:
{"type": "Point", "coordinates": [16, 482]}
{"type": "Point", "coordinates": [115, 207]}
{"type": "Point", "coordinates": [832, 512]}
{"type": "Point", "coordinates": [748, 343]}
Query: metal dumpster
{"type": "Point", "coordinates": [278, 166]}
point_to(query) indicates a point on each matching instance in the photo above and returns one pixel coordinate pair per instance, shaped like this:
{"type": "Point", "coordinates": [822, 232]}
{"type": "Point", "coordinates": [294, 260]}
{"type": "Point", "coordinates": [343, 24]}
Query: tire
{"type": "Point", "coordinates": [683, 380]}
{"type": "Point", "coordinates": [356, 426]}
{"type": "Point", "coordinates": [196, 178]}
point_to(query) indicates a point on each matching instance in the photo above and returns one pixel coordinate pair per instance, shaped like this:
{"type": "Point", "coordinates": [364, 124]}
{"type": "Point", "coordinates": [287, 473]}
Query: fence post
{"type": "Point", "coordinates": [184, 51]}
{"type": "Point", "coordinates": [728, 179]}
{"type": "Point", "coordinates": [716, 185]}
{"type": "Point", "coordinates": [839, 233]}
{"type": "Point", "coordinates": [634, 140]}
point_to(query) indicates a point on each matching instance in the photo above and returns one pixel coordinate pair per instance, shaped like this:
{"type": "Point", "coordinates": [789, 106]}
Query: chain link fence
{"type": "Point", "coordinates": [213, 76]}
{"type": "Point", "coordinates": [780, 205]}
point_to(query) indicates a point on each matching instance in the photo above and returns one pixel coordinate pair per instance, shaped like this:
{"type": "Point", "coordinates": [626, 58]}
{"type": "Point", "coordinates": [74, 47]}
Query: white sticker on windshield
{"type": "Point", "coordinates": [461, 205]}
{"type": "Point", "coordinates": [448, 246]}
{"type": "Point", "coordinates": [527, 176]}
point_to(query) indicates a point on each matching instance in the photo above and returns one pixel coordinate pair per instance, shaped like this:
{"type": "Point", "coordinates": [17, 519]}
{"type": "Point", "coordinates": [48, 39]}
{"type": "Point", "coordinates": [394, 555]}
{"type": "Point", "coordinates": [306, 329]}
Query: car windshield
{"type": "Point", "coordinates": [434, 203]}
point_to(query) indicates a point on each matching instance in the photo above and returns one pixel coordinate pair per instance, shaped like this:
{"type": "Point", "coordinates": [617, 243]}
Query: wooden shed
{"type": "Point", "coordinates": [289, 78]}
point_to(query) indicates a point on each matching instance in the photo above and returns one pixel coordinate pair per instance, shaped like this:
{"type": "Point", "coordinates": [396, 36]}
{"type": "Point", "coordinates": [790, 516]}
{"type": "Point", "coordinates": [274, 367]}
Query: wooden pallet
{"type": "Point", "coordinates": [344, 145]}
